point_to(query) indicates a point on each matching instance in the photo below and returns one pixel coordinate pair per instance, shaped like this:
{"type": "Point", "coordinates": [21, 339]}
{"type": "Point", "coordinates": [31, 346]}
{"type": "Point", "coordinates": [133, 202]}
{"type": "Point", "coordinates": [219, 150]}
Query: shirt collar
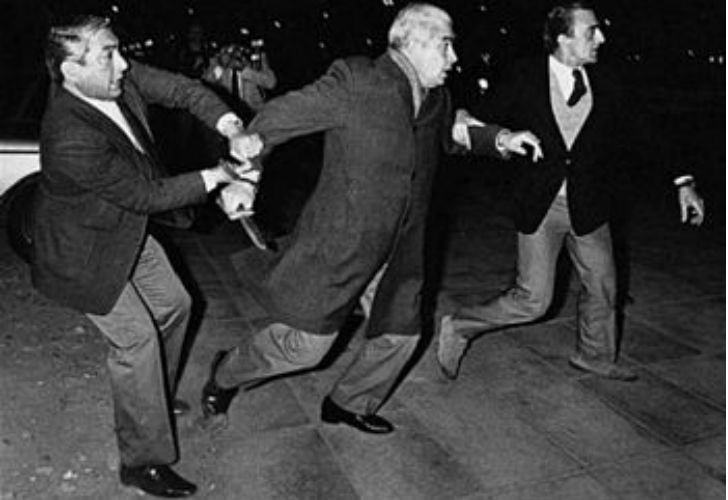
{"type": "Point", "coordinates": [564, 75]}
{"type": "Point", "coordinates": [418, 91]}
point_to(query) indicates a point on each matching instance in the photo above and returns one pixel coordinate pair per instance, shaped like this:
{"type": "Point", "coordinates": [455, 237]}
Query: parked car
{"type": "Point", "coordinates": [20, 159]}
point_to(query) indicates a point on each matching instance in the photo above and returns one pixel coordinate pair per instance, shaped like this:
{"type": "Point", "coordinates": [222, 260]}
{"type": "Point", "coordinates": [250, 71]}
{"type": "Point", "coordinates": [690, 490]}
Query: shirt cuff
{"type": "Point", "coordinates": [684, 180]}
{"type": "Point", "coordinates": [210, 179]}
{"type": "Point", "coordinates": [230, 125]}
{"type": "Point", "coordinates": [499, 143]}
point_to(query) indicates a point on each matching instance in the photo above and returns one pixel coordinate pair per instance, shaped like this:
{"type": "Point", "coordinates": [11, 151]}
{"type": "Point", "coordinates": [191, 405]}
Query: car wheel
{"type": "Point", "coordinates": [20, 216]}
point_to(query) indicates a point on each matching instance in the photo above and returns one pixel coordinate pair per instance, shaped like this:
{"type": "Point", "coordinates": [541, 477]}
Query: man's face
{"type": "Point", "coordinates": [582, 47]}
{"type": "Point", "coordinates": [433, 57]}
{"type": "Point", "coordinates": [101, 74]}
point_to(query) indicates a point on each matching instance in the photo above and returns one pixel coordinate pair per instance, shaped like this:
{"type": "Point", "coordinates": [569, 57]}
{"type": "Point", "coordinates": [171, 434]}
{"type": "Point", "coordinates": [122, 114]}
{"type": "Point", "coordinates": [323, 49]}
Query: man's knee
{"type": "Point", "coordinates": [531, 304]}
{"type": "Point", "coordinates": [300, 347]}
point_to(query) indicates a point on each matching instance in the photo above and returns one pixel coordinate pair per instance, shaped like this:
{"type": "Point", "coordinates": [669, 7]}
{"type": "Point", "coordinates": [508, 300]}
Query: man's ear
{"type": "Point", "coordinates": [69, 70]}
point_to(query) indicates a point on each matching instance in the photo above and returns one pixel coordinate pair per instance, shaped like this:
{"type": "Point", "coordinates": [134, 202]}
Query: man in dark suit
{"type": "Point", "coordinates": [385, 123]}
{"type": "Point", "coordinates": [576, 110]}
{"type": "Point", "coordinates": [100, 183]}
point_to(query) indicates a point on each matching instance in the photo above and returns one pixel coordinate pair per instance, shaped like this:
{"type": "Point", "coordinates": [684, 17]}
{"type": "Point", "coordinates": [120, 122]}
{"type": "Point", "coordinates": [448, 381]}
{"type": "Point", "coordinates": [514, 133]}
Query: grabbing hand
{"type": "Point", "coordinates": [692, 208]}
{"type": "Point", "coordinates": [516, 142]}
{"type": "Point", "coordinates": [245, 146]}
{"type": "Point", "coordinates": [236, 199]}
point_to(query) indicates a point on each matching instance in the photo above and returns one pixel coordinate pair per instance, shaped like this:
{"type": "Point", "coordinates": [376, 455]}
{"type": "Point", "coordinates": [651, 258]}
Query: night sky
{"type": "Point", "coordinates": [660, 43]}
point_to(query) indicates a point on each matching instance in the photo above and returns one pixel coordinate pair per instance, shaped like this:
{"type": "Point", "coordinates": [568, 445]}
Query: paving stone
{"type": "Point", "coordinates": [557, 405]}
{"type": "Point", "coordinates": [487, 437]}
{"type": "Point", "coordinates": [669, 476]}
{"type": "Point", "coordinates": [696, 322]}
{"type": "Point", "coordinates": [645, 344]}
{"type": "Point", "coordinates": [405, 464]}
{"type": "Point", "coordinates": [709, 452]}
{"type": "Point", "coordinates": [296, 464]}
{"type": "Point", "coordinates": [669, 412]}
{"type": "Point", "coordinates": [579, 487]}
{"type": "Point", "coordinates": [652, 288]}
{"type": "Point", "coordinates": [703, 376]}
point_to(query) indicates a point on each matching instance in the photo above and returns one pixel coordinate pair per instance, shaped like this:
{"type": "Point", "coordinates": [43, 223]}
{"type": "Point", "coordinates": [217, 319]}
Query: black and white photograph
{"type": "Point", "coordinates": [362, 249]}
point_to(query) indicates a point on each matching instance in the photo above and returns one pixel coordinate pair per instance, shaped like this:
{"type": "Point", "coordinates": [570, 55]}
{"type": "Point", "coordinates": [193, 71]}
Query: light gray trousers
{"type": "Point", "coordinates": [530, 296]}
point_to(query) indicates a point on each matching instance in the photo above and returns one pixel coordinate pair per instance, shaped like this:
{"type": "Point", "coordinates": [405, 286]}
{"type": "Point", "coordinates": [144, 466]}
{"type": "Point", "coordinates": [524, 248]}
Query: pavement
{"type": "Point", "coordinates": [519, 423]}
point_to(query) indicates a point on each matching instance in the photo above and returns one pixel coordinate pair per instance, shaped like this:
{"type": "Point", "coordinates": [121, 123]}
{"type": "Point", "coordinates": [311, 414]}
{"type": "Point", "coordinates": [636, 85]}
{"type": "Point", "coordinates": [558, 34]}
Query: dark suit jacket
{"type": "Point", "coordinates": [370, 204]}
{"type": "Point", "coordinates": [97, 190]}
{"type": "Point", "coordinates": [593, 166]}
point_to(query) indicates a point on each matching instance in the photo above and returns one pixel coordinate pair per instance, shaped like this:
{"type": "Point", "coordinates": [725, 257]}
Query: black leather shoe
{"type": "Point", "coordinates": [157, 480]}
{"type": "Point", "coordinates": [215, 399]}
{"type": "Point", "coordinates": [180, 407]}
{"type": "Point", "coordinates": [331, 413]}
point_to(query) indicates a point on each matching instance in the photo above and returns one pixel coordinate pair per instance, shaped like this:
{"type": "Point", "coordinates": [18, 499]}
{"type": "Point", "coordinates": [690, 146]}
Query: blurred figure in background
{"type": "Point", "coordinates": [244, 73]}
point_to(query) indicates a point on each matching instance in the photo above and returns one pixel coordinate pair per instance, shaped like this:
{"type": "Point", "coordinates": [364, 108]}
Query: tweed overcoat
{"type": "Point", "coordinates": [370, 204]}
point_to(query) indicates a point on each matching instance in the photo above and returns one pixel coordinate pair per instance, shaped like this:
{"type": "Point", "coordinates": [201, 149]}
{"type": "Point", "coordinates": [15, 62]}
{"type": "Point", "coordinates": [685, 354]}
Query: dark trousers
{"type": "Point", "coordinates": [145, 331]}
{"type": "Point", "coordinates": [278, 349]}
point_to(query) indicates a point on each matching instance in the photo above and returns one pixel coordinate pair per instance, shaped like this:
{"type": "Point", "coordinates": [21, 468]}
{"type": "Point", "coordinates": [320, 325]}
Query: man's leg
{"type": "Point", "coordinates": [169, 302]}
{"type": "Point", "coordinates": [593, 259]}
{"type": "Point", "coordinates": [143, 424]}
{"type": "Point", "coordinates": [369, 379]}
{"type": "Point", "coordinates": [275, 350]}
{"type": "Point", "coordinates": [527, 300]}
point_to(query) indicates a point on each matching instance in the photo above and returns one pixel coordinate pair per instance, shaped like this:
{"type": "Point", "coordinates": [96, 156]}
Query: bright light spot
{"type": "Point", "coordinates": [721, 60]}
{"type": "Point", "coordinates": [325, 15]}
{"type": "Point", "coordinates": [149, 42]}
{"type": "Point", "coordinates": [388, 3]}
{"type": "Point", "coordinates": [503, 30]}
{"type": "Point", "coordinates": [691, 52]}
{"type": "Point", "coordinates": [277, 24]}
{"type": "Point", "coordinates": [607, 22]}
{"type": "Point", "coordinates": [483, 84]}
{"type": "Point", "coordinates": [190, 11]}
{"type": "Point", "coordinates": [485, 58]}
{"type": "Point", "coordinates": [368, 41]}
{"type": "Point", "coordinates": [711, 59]}
{"type": "Point", "coordinates": [321, 45]}
{"type": "Point", "coordinates": [458, 68]}
{"type": "Point", "coordinates": [244, 31]}
{"type": "Point", "coordinates": [115, 9]}
{"type": "Point", "coordinates": [482, 8]}
{"type": "Point", "coordinates": [637, 57]}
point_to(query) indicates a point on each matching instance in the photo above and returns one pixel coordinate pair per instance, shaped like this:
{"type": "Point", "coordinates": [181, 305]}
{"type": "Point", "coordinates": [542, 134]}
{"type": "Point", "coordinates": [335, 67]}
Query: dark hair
{"type": "Point", "coordinates": [68, 40]}
{"type": "Point", "coordinates": [559, 21]}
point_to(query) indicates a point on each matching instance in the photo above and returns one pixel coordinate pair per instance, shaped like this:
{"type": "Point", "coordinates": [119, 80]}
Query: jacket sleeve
{"type": "Point", "coordinates": [482, 139]}
{"type": "Point", "coordinates": [80, 159]}
{"type": "Point", "coordinates": [173, 90]}
{"type": "Point", "coordinates": [316, 107]}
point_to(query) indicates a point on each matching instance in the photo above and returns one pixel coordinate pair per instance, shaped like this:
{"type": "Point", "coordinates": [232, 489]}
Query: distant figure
{"type": "Point", "coordinates": [576, 110]}
{"type": "Point", "coordinates": [244, 73]}
{"type": "Point", "coordinates": [361, 235]}
{"type": "Point", "coordinates": [193, 53]}
{"type": "Point", "coordinates": [101, 183]}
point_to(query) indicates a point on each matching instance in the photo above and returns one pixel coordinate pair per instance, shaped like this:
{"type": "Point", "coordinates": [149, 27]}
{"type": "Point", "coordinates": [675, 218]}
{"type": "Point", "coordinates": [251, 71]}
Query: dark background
{"type": "Point", "coordinates": [672, 53]}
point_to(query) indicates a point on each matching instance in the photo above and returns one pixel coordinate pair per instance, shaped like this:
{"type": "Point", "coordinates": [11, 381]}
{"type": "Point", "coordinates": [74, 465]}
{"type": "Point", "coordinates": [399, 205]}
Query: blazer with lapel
{"type": "Point", "coordinates": [97, 190]}
{"type": "Point", "coordinates": [370, 203]}
{"type": "Point", "coordinates": [592, 167]}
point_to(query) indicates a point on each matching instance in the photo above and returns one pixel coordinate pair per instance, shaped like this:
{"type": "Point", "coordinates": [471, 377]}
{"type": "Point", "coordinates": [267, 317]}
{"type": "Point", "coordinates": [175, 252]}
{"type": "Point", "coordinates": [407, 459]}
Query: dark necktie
{"type": "Point", "coordinates": [139, 130]}
{"type": "Point", "coordinates": [579, 88]}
